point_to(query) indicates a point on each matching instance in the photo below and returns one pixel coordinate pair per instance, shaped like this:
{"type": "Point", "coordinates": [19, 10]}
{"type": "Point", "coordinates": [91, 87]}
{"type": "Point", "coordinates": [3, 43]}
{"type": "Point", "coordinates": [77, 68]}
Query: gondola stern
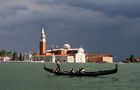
{"type": "Point", "coordinates": [48, 69]}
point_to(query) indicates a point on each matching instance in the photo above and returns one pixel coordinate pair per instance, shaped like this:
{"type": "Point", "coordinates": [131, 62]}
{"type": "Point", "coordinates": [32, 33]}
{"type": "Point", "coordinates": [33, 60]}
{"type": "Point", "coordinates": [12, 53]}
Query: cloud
{"type": "Point", "coordinates": [99, 26]}
{"type": "Point", "coordinates": [12, 10]}
{"type": "Point", "coordinates": [126, 8]}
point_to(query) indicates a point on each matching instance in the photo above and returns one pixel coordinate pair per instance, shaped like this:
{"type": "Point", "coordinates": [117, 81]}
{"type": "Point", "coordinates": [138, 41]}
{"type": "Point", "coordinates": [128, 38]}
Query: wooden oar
{"type": "Point", "coordinates": [53, 72]}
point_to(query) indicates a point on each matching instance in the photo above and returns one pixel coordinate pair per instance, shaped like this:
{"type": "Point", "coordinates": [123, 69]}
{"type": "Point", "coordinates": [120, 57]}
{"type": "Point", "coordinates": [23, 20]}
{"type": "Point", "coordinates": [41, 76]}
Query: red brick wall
{"type": "Point", "coordinates": [42, 48]}
{"type": "Point", "coordinates": [96, 58]}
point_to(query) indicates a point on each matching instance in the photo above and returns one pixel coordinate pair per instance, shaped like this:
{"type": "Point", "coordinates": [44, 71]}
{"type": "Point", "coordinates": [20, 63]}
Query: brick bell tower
{"type": "Point", "coordinates": [42, 43]}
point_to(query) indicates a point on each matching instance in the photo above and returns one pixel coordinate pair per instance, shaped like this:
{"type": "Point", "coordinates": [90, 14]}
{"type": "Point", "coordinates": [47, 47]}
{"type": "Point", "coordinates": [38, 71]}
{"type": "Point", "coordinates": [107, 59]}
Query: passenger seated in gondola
{"type": "Point", "coordinates": [80, 71]}
{"type": "Point", "coordinates": [77, 70]}
{"type": "Point", "coordinates": [72, 71]}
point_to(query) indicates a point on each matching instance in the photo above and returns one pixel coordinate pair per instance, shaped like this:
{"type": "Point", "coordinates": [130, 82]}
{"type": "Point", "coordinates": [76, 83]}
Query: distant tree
{"type": "Point", "coordinates": [15, 56]}
{"type": "Point", "coordinates": [2, 53]}
{"type": "Point", "coordinates": [132, 59]}
{"type": "Point", "coordinates": [9, 53]}
{"type": "Point", "coordinates": [20, 58]}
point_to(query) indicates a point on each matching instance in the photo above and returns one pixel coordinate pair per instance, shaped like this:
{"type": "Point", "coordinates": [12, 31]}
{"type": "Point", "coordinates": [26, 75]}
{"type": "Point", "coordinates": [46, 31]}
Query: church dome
{"type": "Point", "coordinates": [66, 46]}
{"type": "Point", "coordinates": [81, 50]}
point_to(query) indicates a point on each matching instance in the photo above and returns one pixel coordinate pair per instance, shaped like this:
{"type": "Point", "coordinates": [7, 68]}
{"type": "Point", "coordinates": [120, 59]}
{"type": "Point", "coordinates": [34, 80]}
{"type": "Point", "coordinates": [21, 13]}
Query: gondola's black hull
{"type": "Point", "coordinates": [90, 74]}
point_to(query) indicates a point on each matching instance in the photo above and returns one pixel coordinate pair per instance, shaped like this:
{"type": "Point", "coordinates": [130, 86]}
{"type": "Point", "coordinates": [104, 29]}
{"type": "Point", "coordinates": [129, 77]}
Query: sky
{"type": "Point", "coordinates": [99, 26]}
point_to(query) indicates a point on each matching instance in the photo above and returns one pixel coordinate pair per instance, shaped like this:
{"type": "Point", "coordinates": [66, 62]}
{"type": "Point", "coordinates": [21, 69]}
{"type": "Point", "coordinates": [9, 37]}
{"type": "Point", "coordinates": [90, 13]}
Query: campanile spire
{"type": "Point", "coordinates": [43, 31]}
{"type": "Point", "coordinates": [43, 42]}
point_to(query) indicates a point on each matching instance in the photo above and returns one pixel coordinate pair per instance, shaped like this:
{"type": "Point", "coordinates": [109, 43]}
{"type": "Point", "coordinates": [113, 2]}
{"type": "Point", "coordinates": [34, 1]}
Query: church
{"type": "Point", "coordinates": [67, 54]}
{"type": "Point", "coordinates": [64, 54]}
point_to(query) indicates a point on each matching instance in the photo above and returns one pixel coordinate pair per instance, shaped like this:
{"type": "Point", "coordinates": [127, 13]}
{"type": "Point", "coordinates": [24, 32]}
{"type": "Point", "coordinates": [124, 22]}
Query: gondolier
{"type": "Point", "coordinates": [57, 69]}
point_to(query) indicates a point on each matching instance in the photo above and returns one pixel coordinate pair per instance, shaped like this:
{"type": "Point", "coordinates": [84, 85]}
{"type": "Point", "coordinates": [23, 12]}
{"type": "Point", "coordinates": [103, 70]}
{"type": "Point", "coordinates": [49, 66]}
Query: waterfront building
{"type": "Point", "coordinates": [66, 53]}
{"type": "Point", "coordinates": [138, 59]}
{"type": "Point", "coordinates": [27, 56]}
{"type": "Point", "coordinates": [5, 59]}
{"type": "Point", "coordinates": [99, 58]}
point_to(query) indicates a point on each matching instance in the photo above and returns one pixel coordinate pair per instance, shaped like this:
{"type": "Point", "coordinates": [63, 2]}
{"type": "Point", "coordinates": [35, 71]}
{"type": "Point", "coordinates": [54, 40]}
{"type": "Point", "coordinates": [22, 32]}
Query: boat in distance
{"type": "Point", "coordinates": [88, 74]}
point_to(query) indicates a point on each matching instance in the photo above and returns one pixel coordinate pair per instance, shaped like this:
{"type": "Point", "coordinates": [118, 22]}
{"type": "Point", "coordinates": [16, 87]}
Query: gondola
{"type": "Point", "coordinates": [89, 74]}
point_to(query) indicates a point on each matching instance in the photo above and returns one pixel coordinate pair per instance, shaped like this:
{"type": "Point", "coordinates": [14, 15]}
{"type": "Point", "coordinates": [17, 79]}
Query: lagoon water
{"type": "Point", "coordinates": [31, 76]}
